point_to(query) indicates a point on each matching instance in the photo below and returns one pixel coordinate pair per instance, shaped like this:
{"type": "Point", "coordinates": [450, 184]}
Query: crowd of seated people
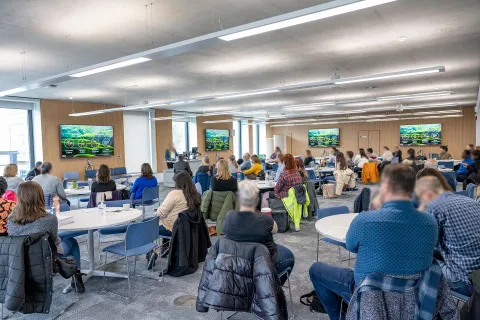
{"type": "Point", "coordinates": [255, 168]}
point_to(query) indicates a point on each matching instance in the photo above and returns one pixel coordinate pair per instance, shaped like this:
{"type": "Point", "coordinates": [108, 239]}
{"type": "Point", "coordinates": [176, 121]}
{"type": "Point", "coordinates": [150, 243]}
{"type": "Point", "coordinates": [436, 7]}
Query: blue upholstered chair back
{"type": "Point", "coordinates": [141, 233]}
{"type": "Point", "coordinates": [91, 174]}
{"type": "Point", "coordinates": [204, 180]}
{"type": "Point", "coordinates": [446, 163]}
{"type": "Point", "coordinates": [332, 211]}
{"type": "Point", "coordinates": [120, 171]}
{"type": "Point", "coordinates": [71, 175]}
{"type": "Point", "coordinates": [118, 203]}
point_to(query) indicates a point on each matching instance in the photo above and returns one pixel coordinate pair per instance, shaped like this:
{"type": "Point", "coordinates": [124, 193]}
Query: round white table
{"type": "Point", "coordinates": [84, 191]}
{"type": "Point", "coordinates": [335, 227]}
{"type": "Point", "coordinates": [92, 219]}
{"type": "Point", "coordinates": [262, 185]}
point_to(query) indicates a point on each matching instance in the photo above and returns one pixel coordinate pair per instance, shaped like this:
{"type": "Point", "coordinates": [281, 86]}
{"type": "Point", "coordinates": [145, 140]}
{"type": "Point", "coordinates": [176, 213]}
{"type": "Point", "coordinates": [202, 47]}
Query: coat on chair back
{"type": "Point", "coordinates": [370, 173]}
{"type": "Point", "coordinates": [189, 244]}
{"type": "Point", "coordinates": [241, 277]}
{"type": "Point", "coordinates": [216, 205]}
{"type": "Point", "coordinates": [26, 273]}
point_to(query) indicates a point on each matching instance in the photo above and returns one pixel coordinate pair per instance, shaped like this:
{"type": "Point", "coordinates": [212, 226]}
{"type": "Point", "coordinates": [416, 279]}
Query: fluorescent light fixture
{"type": "Point", "coordinates": [331, 12]}
{"type": "Point", "coordinates": [219, 121]}
{"type": "Point", "coordinates": [12, 91]}
{"type": "Point", "coordinates": [89, 113]}
{"type": "Point", "coordinates": [110, 67]}
{"type": "Point", "coordinates": [178, 102]}
{"type": "Point", "coordinates": [427, 106]}
{"type": "Point", "coordinates": [246, 94]}
{"type": "Point", "coordinates": [170, 118]}
{"type": "Point", "coordinates": [390, 75]}
{"type": "Point", "coordinates": [308, 106]}
{"type": "Point", "coordinates": [416, 95]}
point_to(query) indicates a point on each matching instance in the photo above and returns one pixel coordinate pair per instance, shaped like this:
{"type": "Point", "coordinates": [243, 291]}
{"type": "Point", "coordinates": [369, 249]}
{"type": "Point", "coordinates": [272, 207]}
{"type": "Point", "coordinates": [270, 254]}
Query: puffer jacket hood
{"type": "Point", "coordinates": [241, 277]}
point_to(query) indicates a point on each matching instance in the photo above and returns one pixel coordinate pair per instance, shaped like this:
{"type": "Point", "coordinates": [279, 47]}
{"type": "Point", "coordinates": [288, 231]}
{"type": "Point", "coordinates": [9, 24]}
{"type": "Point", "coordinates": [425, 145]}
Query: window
{"type": "Point", "coordinates": [179, 133]}
{"type": "Point", "coordinates": [192, 133]}
{"type": "Point", "coordinates": [245, 137]}
{"type": "Point", "coordinates": [237, 150]}
{"type": "Point", "coordinates": [262, 139]}
{"type": "Point", "coordinates": [15, 141]}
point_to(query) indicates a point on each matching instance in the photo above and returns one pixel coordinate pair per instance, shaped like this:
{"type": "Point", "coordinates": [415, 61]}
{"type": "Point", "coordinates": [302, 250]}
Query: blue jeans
{"type": "Point", "coordinates": [71, 248]}
{"type": "Point", "coordinates": [162, 231]}
{"type": "Point", "coordinates": [285, 260]}
{"type": "Point", "coordinates": [331, 282]}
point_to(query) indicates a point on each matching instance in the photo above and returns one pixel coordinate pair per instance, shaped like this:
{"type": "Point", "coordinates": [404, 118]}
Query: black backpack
{"type": "Point", "coordinates": [311, 300]}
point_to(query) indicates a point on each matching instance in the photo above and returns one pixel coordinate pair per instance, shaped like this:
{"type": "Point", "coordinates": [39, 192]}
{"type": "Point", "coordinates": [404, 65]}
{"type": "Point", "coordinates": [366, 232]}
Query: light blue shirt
{"type": "Point", "coordinates": [281, 166]}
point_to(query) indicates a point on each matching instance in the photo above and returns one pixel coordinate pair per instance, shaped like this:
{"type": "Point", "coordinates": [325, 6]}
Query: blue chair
{"type": "Point", "coordinates": [150, 196]}
{"type": "Point", "coordinates": [70, 234]}
{"type": "Point", "coordinates": [91, 174]}
{"type": "Point", "coordinates": [434, 156]}
{"type": "Point", "coordinates": [204, 180]}
{"type": "Point", "coordinates": [242, 176]}
{"type": "Point", "coordinates": [312, 177]}
{"type": "Point", "coordinates": [448, 164]}
{"type": "Point", "coordinates": [327, 212]}
{"type": "Point", "coordinates": [140, 239]}
{"type": "Point", "coordinates": [71, 176]}
{"type": "Point", "coordinates": [472, 191]}
{"type": "Point", "coordinates": [275, 167]}
{"type": "Point", "coordinates": [235, 175]}
{"type": "Point", "coordinates": [462, 193]}
{"type": "Point", "coordinates": [451, 179]}
{"type": "Point", "coordinates": [395, 160]}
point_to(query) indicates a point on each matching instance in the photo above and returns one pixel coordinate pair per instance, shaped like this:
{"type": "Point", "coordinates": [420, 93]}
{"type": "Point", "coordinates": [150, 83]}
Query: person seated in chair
{"type": "Point", "coordinates": [232, 164]}
{"type": "Point", "coordinates": [395, 240]}
{"type": "Point", "coordinates": [223, 179]}
{"type": "Point", "coordinates": [29, 217]}
{"type": "Point", "coordinates": [387, 154]}
{"type": "Point", "coordinates": [444, 154]}
{"type": "Point", "coordinates": [473, 170]}
{"type": "Point", "coordinates": [35, 171]}
{"type": "Point", "coordinates": [183, 197]}
{"type": "Point", "coordinates": [360, 160]}
{"type": "Point", "coordinates": [146, 180]}
{"type": "Point", "coordinates": [308, 158]}
{"type": "Point", "coordinates": [371, 154]}
{"type": "Point", "coordinates": [280, 168]}
{"type": "Point", "coordinates": [246, 163]}
{"type": "Point", "coordinates": [10, 174]}
{"type": "Point", "coordinates": [288, 178]}
{"type": "Point", "coordinates": [255, 169]}
{"type": "Point", "coordinates": [104, 183]}
{"type": "Point", "coordinates": [462, 167]}
{"type": "Point", "coordinates": [206, 167]}
{"type": "Point", "coordinates": [51, 184]}
{"type": "Point", "coordinates": [458, 218]}
{"type": "Point", "coordinates": [246, 225]}
{"type": "Point", "coordinates": [182, 165]}
{"type": "Point", "coordinates": [301, 169]}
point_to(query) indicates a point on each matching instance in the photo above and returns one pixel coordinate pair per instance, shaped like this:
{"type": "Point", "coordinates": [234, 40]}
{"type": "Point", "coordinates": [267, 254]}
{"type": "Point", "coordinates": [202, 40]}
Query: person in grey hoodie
{"type": "Point", "coordinates": [51, 184]}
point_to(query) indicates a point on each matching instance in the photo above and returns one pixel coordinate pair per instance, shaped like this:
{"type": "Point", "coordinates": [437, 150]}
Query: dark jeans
{"type": "Point", "coordinates": [458, 286]}
{"type": "Point", "coordinates": [461, 177]}
{"type": "Point", "coordinates": [285, 260]}
{"type": "Point", "coordinates": [330, 282]}
{"type": "Point", "coordinates": [71, 248]}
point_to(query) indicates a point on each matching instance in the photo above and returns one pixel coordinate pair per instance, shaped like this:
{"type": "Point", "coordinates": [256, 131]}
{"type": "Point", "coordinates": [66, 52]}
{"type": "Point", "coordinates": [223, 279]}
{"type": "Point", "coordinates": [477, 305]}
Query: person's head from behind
{"type": "Point", "coordinates": [466, 154]}
{"type": "Point", "coordinates": [431, 172]}
{"type": "Point", "coordinates": [147, 171]}
{"type": "Point", "coordinates": [233, 160]}
{"type": "Point", "coordinates": [184, 182]}
{"type": "Point", "coordinates": [103, 174]}
{"type": "Point", "coordinates": [246, 156]}
{"type": "Point", "coordinates": [340, 161]}
{"type": "Point", "coordinates": [470, 147]}
{"type": "Point", "coordinates": [362, 153]}
{"type": "Point", "coordinates": [444, 148]}
{"type": "Point", "coordinates": [38, 165]}
{"type": "Point", "coordinates": [205, 160]}
{"type": "Point", "coordinates": [299, 163]}
{"type": "Point", "coordinates": [31, 204]}
{"type": "Point", "coordinates": [280, 158]}
{"type": "Point", "coordinates": [11, 170]}
{"type": "Point", "coordinates": [397, 182]}
{"type": "Point", "coordinates": [46, 168]}
{"type": "Point", "coordinates": [3, 186]}
{"type": "Point", "coordinates": [171, 146]}
{"type": "Point", "coordinates": [333, 150]}
{"type": "Point", "coordinates": [289, 162]}
{"type": "Point", "coordinates": [255, 159]}
{"type": "Point", "coordinates": [223, 173]}
{"type": "Point", "coordinates": [248, 195]}
{"type": "Point", "coordinates": [349, 154]}
{"type": "Point", "coordinates": [369, 150]}
{"type": "Point", "coordinates": [278, 150]}
{"type": "Point", "coordinates": [181, 157]}
{"type": "Point", "coordinates": [385, 149]}
{"type": "Point", "coordinates": [427, 189]}
{"type": "Point", "coordinates": [308, 153]}
{"type": "Point", "coordinates": [411, 153]}
{"type": "Point", "coordinates": [476, 155]}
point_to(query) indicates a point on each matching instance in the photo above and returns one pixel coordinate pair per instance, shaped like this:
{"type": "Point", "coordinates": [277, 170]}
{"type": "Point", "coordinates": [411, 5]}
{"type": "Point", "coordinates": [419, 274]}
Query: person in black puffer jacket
{"type": "Point", "coordinates": [241, 277]}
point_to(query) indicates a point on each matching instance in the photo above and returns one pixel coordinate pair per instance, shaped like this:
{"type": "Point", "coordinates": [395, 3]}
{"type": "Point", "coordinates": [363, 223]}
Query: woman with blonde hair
{"type": "Point", "coordinates": [10, 174]}
{"type": "Point", "coordinates": [232, 164]}
{"type": "Point", "coordinates": [223, 180]}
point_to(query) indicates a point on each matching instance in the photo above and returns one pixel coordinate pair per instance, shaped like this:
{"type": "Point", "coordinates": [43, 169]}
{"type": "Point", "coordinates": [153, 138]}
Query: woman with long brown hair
{"type": "Point", "coordinates": [343, 175]}
{"type": "Point", "coordinates": [146, 180]}
{"type": "Point", "coordinates": [301, 169]}
{"type": "Point", "coordinates": [232, 164]}
{"type": "Point", "coordinates": [288, 178]}
{"type": "Point", "coordinates": [29, 216]}
{"type": "Point", "coordinates": [104, 183]}
{"type": "Point", "coordinates": [223, 180]}
{"type": "Point", "coordinates": [10, 174]}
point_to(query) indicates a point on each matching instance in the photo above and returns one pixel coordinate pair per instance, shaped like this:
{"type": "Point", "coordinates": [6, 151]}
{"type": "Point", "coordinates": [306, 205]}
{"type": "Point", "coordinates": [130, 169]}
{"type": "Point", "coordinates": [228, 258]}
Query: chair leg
{"type": "Point", "coordinates": [318, 245]}
{"type": "Point", "coordinates": [104, 271]}
{"type": "Point", "coordinates": [290, 293]}
{"type": "Point", "coordinates": [128, 274]}
{"type": "Point", "coordinates": [134, 265]}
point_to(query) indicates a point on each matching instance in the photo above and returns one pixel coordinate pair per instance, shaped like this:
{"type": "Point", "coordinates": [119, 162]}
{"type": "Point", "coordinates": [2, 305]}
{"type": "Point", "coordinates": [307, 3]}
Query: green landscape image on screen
{"type": "Point", "coordinates": [421, 134]}
{"type": "Point", "coordinates": [217, 140]}
{"type": "Point", "coordinates": [321, 138]}
{"type": "Point", "coordinates": [82, 141]}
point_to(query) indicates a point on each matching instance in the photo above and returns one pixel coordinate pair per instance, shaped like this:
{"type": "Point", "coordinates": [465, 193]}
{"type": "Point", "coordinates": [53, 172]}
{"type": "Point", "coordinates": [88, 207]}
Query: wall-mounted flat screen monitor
{"type": "Point", "coordinates": [421, 134]}
{"type": "Point", "coordinates": [323, 138]}
{"type": "Point", "coordinates": [83, 141]}
{"type": "Point", "coordinates": [217, 139]}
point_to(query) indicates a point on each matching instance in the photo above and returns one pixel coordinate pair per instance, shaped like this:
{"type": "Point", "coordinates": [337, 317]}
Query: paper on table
{"type": "Point", "coordinates": [338, 232]}
{"type": "Point", "coordinates": [63, 220]}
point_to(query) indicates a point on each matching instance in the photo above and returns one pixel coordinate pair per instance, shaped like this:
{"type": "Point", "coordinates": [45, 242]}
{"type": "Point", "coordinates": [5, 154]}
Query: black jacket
{"type": "Point", "coordinates": [32, 174]}
{"type": "Point", "coordinates": [26, 273]}
{"type": "Point", "coordinates": [189, 244]}
{"type": "Point", "coordinates": [362, 201]}
{"type": "Point", "coordinates": [182, 166]}
{"type": "Point", "coordinates": [241, 277]}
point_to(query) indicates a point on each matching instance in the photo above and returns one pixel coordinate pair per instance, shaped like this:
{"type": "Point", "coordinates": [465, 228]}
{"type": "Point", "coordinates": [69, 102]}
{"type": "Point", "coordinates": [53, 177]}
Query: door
{"type": "Point", "coordinates": [363, 139]}
{"type": "Point", "coordinates": [374, 141]}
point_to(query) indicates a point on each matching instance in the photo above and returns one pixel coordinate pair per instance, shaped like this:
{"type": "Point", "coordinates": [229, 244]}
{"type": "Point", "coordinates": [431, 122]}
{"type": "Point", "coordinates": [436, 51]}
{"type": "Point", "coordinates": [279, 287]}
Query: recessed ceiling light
{"type": "Point", "coordinates": [12, 91]}
{"type": "Point", "coordinates": [246, 94]}
{"type": "Point", "coordinates": [401, 39]}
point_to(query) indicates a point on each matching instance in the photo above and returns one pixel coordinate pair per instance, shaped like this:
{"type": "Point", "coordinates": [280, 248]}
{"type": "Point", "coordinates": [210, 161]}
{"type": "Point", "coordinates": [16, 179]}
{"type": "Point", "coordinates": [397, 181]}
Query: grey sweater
{"type": "Point", "coordinates": [47, 224]}
{"type": "Point", "coordinates": [51, 185]}
{"type": "Point", "coordinates": [13, 183]}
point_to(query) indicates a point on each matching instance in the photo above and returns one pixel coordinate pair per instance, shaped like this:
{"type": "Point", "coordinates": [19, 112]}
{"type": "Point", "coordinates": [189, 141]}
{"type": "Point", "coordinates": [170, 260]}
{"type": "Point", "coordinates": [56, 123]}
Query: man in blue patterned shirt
{"type": "Point", "coordinates": [458, 219]}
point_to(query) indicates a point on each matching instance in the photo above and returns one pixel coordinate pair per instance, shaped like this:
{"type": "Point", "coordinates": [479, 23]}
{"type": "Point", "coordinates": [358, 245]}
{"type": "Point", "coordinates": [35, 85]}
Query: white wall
{"type": "Point", "coordinates": [137, 140]}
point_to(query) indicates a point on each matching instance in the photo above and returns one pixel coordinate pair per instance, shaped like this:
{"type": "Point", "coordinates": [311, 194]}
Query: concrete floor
{"type": "Point", "coordinates": [175, 297]}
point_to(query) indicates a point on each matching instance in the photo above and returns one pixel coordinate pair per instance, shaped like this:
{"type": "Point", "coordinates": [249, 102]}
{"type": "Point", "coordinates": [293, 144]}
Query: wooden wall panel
{"type": "Point", "coordinates": [55, 112]}
{"type": "Point", "coordinates": [163, 136]}
{"type": "Point", "coordinates": [456, 133]}
{"type": "Point", "coordinates": [201, 127]}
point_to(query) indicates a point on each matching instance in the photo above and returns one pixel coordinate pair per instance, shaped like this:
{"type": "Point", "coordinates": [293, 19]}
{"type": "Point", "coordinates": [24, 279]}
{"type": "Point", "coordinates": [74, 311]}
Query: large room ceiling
{"type": "Point", "coordinates": [44, 38]}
